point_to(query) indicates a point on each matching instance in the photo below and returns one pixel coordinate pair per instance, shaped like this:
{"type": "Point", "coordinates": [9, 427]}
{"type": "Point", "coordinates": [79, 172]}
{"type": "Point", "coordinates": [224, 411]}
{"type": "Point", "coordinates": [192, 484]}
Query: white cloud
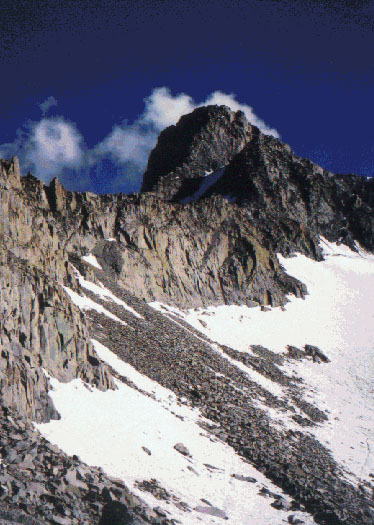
{"type": "Point", "coordinates": [224, 99]}
{"type": "Point", "coordinates": [162, 109]}
{"type": "Point", "coordinates": [53, 145]}
{"type": "Point", "coordinates": [127, 144]}
{"type": "Point", "coordinates": [47, 147]}
{"type": "Point", "coordinates": [47, 105]}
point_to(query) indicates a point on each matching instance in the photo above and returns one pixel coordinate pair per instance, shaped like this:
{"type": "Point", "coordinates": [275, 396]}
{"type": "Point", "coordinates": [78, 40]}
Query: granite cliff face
{"type": "Point", "coordinates": [194, 255]}
{"type": "Point", "coordinates": [219, 200]}
{"type": "Point", "coordinates": [40, 329]}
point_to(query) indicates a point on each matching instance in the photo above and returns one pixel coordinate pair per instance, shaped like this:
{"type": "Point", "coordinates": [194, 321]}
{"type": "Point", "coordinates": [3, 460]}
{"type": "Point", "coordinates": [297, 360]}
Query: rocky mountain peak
{"type": "Point", "coordinates": [201, 142]}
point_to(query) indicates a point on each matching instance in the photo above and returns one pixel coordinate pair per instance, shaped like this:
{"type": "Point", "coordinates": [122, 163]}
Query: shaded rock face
{"type": "Point", "coordinates": [202, 141]}
{"type": "Point", "coordinates": [284, 192]}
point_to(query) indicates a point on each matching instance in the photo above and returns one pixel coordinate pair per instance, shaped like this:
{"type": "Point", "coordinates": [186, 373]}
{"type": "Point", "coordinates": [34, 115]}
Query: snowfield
{"type": "Point", "coordinates": [210, 179]}
{"type": "Point", "coordinates": [132, 432]}
{"type": "Point", "coordinates": [338, 317]}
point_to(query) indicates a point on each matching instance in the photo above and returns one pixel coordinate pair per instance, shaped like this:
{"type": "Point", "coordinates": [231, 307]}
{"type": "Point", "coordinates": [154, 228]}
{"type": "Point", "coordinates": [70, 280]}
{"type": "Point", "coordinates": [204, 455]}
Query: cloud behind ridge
{"type": "Point", "coordinates": [54, 146]}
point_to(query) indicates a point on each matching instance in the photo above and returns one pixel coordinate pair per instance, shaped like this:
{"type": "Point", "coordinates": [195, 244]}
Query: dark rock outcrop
{"type": "Point", "coordinates": [201, 142]}
{"type": "Point", "coordinates": [40, 484]}
{"type": "Point", "coordinates": [284, 193]}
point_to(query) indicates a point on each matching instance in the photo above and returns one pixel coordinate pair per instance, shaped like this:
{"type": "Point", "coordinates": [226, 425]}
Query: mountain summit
{"type": "Point", "coordinates": [204, 342]}
{"type": "Point", "coordinates": [215, 151]}
{"type": "Point", "coordinates": [202, 141]}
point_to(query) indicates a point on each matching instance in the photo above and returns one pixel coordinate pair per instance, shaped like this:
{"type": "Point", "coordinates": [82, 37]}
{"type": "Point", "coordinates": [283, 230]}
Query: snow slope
{"type": "Point", "coordinates": [110, 429]}
{"type": "Point", "coordinates": [131, 432]}
{"type": "Point", "coordinates": [338, 317]}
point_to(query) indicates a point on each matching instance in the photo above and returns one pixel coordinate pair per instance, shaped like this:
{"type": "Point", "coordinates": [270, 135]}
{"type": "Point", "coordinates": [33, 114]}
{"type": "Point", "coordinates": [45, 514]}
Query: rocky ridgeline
{"type": "Point", "coordinates": [217, 249]}
{"type": "Point", "coordinates": [204, 253]}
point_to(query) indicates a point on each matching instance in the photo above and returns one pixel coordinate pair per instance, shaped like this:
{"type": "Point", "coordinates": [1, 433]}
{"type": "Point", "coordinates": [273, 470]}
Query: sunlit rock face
{"type": "Point", "coordinates": [40, 330]}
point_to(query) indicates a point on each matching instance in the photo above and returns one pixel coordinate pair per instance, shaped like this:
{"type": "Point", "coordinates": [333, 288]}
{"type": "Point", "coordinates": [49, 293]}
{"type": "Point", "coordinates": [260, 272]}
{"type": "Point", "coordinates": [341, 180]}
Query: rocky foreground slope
{"type": "Point", "coordinates": [219, 201]}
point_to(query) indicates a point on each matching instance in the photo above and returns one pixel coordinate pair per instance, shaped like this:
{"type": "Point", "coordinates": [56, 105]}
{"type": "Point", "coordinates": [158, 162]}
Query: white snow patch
{"type": "Point", "coordinates": [91, 259]}
{"type": "Point", "coordinates": [85, 303]}
{"type": "Point", "coordinates": [104, 293]}
{"type": "Point", "coordinates": [209, 180]}
{"type": "Point", "coordinates": [166, 308]}
{"type": "Point", "coordinates": [337, 316]}
{"type": "Point", "coordinates": [109, 429]}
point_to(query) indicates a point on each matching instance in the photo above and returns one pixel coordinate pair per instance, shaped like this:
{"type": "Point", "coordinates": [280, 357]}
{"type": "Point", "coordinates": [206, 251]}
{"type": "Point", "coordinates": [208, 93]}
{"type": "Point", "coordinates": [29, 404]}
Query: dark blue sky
{"type": "Point", "coordinates": [306, 68]}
